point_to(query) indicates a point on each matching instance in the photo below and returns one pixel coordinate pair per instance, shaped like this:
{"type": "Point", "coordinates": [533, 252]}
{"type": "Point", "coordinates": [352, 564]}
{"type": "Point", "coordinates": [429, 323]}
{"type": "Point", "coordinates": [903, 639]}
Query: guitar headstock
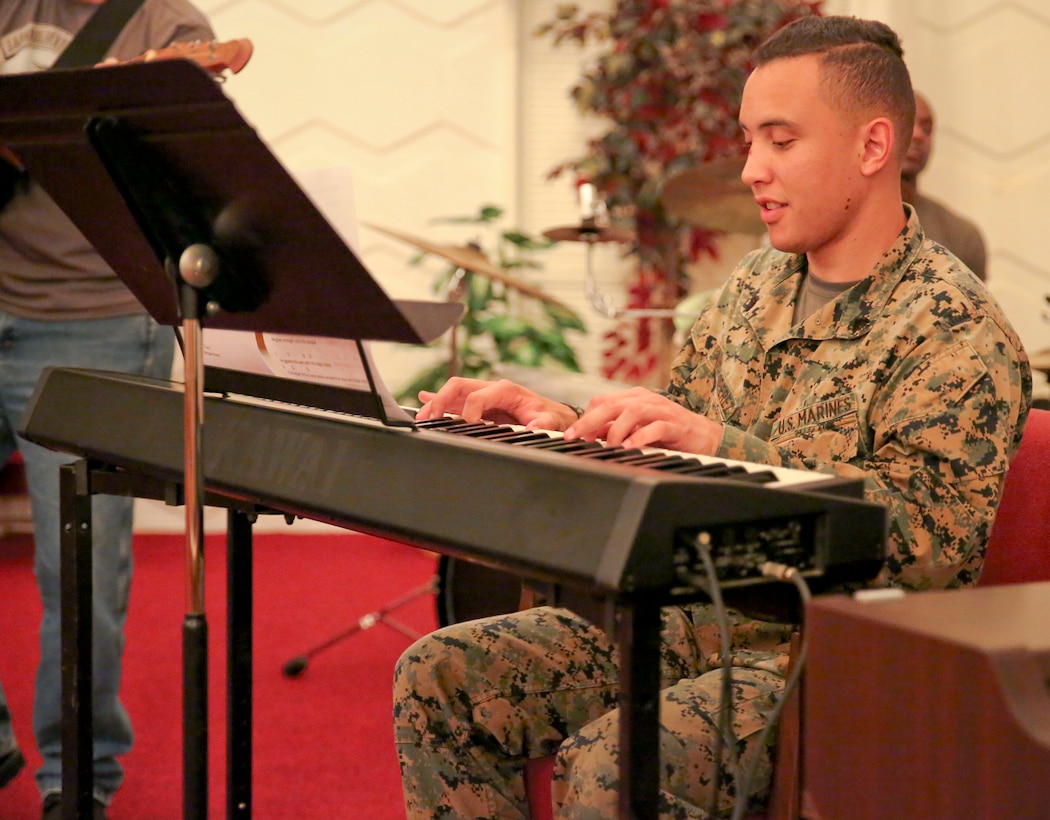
{"type": "Point", "coordinates": [215, 56]}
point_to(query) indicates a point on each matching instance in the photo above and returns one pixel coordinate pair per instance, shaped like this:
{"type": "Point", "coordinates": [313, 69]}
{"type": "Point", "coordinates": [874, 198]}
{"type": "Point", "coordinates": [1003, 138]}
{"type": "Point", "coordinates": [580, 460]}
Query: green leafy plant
{"type": "Point", "coordinates": [501, 324]}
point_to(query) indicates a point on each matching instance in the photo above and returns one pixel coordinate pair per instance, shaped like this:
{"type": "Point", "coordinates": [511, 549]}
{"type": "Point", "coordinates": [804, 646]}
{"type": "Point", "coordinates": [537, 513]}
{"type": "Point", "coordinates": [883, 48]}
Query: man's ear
{"type": "Point", "coordinates": [879, 144]}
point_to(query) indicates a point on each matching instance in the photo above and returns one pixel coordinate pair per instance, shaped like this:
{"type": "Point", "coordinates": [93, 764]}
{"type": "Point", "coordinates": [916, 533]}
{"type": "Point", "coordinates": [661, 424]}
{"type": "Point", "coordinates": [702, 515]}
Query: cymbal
{"type": "Point", "coordinates": [713, 196]}
{"type": "Point", "coordinates": [589, 233]}
{"type": "Point", "coordinates": [463, 256]}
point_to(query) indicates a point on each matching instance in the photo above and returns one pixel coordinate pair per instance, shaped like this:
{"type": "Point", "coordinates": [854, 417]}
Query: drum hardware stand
{"type": "Point", "coordinates": [594, 229]}
{"type": "Point", "coordinates": [457, 286]}
{"type": "Point", "coordinates": [442, 586]}
{"type": "Point", "coordinates": [602, 302]}
{"type": "Point", "coordinates": [297, 665]}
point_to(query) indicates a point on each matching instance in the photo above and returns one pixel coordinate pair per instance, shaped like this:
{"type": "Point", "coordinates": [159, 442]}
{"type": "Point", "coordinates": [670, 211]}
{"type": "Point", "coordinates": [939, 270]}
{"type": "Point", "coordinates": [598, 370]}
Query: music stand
{"type": "Point", "coordinates": [156, 167]}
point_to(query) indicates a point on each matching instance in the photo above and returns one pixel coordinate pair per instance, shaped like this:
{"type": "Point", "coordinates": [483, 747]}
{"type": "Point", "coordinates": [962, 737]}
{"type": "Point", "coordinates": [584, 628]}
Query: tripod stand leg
{"type": "Point", "coordinates": [297, 665]}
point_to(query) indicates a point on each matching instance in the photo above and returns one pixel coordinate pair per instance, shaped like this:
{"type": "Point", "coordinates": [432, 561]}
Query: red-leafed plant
{"type": "Point", "coordinates": [670, 84]}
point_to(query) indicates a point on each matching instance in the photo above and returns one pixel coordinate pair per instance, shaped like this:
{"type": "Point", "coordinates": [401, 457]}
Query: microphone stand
{"type": "Point", "coordinates": [602, 302]}
{"type": "Point", "coordinates": [594, 218]}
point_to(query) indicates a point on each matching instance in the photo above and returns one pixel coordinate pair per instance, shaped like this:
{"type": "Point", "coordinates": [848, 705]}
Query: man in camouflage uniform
{"type": "Point", "coordinates": [853, 345]}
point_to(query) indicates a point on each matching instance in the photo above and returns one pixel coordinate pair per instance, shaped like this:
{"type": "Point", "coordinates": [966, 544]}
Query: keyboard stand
{"type": "Point", "coordinates": [637, 635]}
{"type": "Point", "coordinates": [79, 481]}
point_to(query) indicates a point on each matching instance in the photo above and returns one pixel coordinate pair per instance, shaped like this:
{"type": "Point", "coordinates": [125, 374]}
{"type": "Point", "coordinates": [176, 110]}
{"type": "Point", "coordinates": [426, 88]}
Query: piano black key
{"type": "Point", "coordinates": [684, 466]}
{"type": "Point", "coordinates": [757, 476]}
{"type": "Point", "coordinates": [436, 424]}
{"type": "Point", "coordinates": [520, 437]}
{"type": "Point", "coordinates": [666, 462]}
{"type": "Point", "coordinates": [465, 429]}
{"type": "Point", "coordinates": [644, 459]}
{"type": "Point", "coordinates": [560, 445]}
{"type": "Point", "coordinates": [614, 454]}
{"type": "Point", "coordinates": [491, 431]}
{"type": "Point", "coordinates": [715, 470]}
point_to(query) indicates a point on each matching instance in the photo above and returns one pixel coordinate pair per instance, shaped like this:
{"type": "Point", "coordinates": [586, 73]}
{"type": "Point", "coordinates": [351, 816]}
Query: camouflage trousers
{"type": "Point", "coordinates": [474, 701]}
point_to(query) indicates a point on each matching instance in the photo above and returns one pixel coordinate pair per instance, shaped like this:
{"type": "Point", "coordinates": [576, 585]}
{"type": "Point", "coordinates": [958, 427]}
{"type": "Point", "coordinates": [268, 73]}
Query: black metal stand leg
{"type": "Point", "coordinates": [639, 644]}
{"type": "Point", "coordinates": [239, 665]}
{"type": "Point", "coordinates": [76, 586]}
{"type": "Point", "coordinates": [195, 716]}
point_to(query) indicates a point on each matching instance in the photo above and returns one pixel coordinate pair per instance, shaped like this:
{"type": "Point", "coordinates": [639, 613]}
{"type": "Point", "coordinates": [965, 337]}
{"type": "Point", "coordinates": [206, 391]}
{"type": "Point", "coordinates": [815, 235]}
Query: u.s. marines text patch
{"type": "Point", "coordinates": [814, 414]}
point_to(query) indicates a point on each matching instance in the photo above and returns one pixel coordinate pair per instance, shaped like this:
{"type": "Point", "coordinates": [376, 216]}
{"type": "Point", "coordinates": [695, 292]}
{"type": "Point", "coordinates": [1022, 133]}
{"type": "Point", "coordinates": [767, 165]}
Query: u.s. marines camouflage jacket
{"type": "Point", "coordinates": [912, 379]}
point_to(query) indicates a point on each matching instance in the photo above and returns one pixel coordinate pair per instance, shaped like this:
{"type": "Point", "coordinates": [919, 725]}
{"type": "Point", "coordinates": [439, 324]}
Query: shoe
{"type": "Point", "coordinates": [10, 765]}
{"type": "Point", "coordinates": [53, 808]}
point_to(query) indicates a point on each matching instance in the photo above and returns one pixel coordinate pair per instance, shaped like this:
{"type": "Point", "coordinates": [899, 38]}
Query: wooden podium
{"type": "Point", "coordinates": [933, 705]}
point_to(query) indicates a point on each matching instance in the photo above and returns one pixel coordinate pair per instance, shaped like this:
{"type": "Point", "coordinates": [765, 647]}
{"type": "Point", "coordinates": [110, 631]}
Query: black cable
{"type": "Point", "coordinates": [778, 572]}
{"type": "Point", "coordinates": [724, 729]}
{"type": "Point", "coordinates": [724, 735]}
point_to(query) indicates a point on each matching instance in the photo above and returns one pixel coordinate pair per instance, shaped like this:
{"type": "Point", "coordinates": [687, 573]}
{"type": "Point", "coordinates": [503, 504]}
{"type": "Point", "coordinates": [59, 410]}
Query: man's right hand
{"type": "Point", "coordinates": [501, 401]}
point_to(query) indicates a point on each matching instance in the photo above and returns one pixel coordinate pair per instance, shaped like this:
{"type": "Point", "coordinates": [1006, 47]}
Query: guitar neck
{"type": "Point", "coordinates": [215, 56]}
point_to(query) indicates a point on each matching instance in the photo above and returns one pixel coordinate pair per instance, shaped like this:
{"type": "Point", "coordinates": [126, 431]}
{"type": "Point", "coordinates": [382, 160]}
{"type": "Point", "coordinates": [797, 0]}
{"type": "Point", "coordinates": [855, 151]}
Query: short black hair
{"type": "Point", "coordinates": [862, 66]}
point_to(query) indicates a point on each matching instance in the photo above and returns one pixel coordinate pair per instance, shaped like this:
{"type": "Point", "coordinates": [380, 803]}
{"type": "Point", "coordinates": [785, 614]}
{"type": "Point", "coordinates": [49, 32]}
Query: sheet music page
{"type": "Point", "coordinates": [332, 192]}
{"type": "Point", "coordinates": [315, 359]}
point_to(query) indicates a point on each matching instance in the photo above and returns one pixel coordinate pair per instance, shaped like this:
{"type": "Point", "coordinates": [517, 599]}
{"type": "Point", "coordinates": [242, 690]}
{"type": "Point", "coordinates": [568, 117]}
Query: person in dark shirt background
{"type": "Point", "coordinates": [957, 233]}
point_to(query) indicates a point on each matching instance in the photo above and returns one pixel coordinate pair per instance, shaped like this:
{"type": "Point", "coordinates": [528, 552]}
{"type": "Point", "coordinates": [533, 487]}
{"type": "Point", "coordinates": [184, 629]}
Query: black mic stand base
{"type": "Point", "coordinates": [297, 665]}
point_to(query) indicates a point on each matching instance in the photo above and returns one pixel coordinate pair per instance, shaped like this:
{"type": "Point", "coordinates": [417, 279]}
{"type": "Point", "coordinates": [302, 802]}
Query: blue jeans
{"type": "Point", "coordinates": [133, 344]}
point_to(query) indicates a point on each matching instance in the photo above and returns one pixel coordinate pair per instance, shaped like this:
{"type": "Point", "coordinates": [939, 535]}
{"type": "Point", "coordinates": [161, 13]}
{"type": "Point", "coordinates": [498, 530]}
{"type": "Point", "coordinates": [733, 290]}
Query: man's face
{"type": "Point", "coordinates": [804, 155]}
{"type": "Point", "coordinates": [921, 140]}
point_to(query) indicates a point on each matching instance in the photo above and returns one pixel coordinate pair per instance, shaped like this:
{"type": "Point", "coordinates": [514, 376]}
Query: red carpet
{"type": "Point", "coordinates": [322, 743]}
